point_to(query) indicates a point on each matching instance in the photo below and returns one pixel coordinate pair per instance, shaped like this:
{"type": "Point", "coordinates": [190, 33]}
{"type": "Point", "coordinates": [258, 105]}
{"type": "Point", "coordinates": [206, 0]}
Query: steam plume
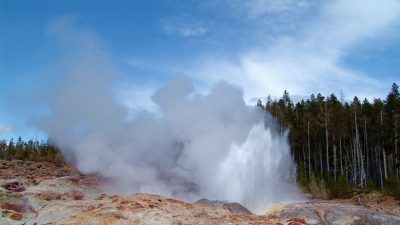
{"type": "Point", "coordinates": [198, 145]}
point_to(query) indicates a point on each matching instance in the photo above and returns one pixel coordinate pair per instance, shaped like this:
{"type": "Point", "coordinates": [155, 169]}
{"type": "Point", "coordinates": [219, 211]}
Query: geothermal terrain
{"type": "Point", "coordinates": [46, 193]}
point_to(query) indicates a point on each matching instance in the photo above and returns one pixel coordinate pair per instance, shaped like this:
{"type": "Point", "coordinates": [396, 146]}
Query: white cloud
{"type": "Point", "coordinates": [6, 129]}
{"type": "Point", "coordinates": [311, 60]}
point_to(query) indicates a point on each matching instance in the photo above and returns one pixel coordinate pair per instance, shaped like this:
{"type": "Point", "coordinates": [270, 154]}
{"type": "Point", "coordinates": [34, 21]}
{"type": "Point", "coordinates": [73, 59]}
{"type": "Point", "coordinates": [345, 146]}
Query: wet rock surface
{"type": "Point", "coordinates": [233, 207]}
{"type": "Point", "coordinates": [44, 193]}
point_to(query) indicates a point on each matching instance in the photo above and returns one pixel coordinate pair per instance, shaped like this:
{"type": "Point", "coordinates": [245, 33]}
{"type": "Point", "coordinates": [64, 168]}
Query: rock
{"type": "Point", "coordinates": [14, 207]}
{"type": "Point", "coordinates": [78, 195]}
{"type": "Point", "coordinates": [48, 196]}
{"type": "Point", "coordinates": [16, 211]}
{"type": "Point", "coordinates": [325, 212]}
{"type": "Point", "coordinates": [60, 195]}
{"type": "Point", "coordinates": [230, 206]}
{"type": "Point", "coordinates": [154, 209]}
{"type": "Point", "coordinates": [294, 221]}
{"type": "Point", "coordinates": [15, 186]}
{"type": "Point", "coordinates": [376, 200]}
{"type": "Point", "coordinates": [16, 216]}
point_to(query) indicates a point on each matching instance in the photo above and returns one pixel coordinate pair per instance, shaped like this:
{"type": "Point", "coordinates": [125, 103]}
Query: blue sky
{"type": "Point", "coordinates": [262, 46]}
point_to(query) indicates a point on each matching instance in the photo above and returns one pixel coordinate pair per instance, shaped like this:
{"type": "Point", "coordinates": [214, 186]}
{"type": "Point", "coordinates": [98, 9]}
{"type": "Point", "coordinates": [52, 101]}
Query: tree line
{"type": "Point", "coordinates": [29, 150]}
{"type": "Point", "coordinates": [357, 141]}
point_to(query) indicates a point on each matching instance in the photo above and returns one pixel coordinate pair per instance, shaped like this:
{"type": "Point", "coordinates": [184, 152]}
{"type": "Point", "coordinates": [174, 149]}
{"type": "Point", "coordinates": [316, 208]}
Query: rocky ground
{"type": "Point", "coordinates": [43, 193]}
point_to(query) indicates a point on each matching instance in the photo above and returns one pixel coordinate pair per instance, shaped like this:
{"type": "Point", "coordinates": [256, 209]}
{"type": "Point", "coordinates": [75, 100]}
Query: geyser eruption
{"type": "Point", "coordinates": [196, 146]}
{"type": "Point", "coordinates": [259, 171]}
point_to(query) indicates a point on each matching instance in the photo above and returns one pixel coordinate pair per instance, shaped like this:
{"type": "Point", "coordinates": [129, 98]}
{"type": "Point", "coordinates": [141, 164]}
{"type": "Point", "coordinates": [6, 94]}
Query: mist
{"type": "Point", "coordinates": [196, 145]}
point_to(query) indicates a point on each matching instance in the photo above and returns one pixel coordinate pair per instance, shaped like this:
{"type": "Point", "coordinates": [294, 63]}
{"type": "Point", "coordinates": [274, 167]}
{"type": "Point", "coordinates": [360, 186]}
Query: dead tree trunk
{"type": "Point", "coordinates": [320, 159]}
{"type": "Point", "coordinates": [366, 149]}
{"type": "Point", "coordinates": [380, 169]}
{"type": "Point", "coordinates": [359, 152]}
{"type": "Point", "coordinates": [309, 149]}
{"type": "Point", "coordinates": [334, 161]}
{"type": "Point", "coordinates": [395, 145]}
{"type": "Point", "coordinates": [384, 164]}
{"type": "Point", "coordinates": [340, 155]}
{"type": "Point", "coordinates": [383, 150]}
{"type": "Point", "coordinates": [327, 141]}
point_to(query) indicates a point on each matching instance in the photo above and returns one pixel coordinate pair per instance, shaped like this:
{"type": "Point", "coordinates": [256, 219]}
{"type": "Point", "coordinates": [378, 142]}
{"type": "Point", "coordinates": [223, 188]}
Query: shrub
{"type": "Point", "coordinates": [392, 187]}
{"type": "Point", "coordinates": [341, 188]}
{"type": "Point", "coordinates": [317, 188]}
{"type": "Point", "coordinates": [302, 179]}
{"type": "Point", "coordinates": [371, 186]}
